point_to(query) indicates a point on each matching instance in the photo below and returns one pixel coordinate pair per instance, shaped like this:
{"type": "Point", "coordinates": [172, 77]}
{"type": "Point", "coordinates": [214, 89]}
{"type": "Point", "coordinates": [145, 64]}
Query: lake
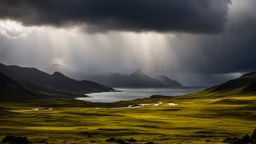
{"type": "Point", "coordinates": [134, 93]}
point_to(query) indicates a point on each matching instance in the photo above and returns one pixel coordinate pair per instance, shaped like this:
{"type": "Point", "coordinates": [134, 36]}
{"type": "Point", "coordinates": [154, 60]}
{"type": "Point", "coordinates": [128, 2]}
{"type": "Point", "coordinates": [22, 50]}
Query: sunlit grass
{"type": "Point", "coordinates": [193, 120]}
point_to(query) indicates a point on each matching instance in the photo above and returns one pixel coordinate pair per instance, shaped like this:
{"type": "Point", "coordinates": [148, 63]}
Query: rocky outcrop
{"type": "Point", "coordinates": [131, 140]}
{"type": "Point", "coordinates": [149, 143]}
{"type": "Point", "coordinates": [116, 140]}
{"type": "Point", "coordinates": [15, 140]}
{"type": "Point", "coordinates": [253, 136]}
{"type": "Point", "coordinates": [244, 140]}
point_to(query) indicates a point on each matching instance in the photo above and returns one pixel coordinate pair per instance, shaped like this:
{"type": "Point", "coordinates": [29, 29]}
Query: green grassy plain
{"type": "Point", "coordinates": [198, 118]}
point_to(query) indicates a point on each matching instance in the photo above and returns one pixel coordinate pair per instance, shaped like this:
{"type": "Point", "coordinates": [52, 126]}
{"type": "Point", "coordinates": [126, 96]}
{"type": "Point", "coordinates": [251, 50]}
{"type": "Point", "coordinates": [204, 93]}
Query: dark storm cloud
{"type": "Point", "coordinates": [216, 55]}
{"type": "Point", "coordinates": [194, 16]}
{"type": "Point", "coordinates": [232, 51]}
{"type": "Point", "coordinates": [192, 59]}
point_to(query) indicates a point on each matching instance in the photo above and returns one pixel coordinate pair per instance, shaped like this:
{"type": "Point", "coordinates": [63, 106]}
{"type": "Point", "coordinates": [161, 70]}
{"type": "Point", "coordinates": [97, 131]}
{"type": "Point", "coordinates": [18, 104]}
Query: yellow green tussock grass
{"type": "Point", "coordinates": [198, 118]}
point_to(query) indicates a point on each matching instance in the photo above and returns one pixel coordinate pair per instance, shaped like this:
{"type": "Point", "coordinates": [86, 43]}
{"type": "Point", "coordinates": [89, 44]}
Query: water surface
{"type": "Point", "coordinates": [134, 93]}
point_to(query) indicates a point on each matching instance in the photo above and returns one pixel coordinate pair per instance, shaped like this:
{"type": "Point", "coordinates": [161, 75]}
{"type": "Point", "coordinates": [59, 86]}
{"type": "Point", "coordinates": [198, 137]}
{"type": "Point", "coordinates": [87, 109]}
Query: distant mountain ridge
{"type": "Point", "coordinates": [136, 79]}
{"type": "Point", "coordinates": [167, 81]}
{"type": "Point", "coordinates": [55, 84]}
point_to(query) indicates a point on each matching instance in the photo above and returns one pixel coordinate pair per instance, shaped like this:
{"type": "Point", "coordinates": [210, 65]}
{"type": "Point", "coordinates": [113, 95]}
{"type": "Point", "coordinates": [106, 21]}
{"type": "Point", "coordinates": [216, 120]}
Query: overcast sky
{"type": "Point", "coordinates": [197, 42]}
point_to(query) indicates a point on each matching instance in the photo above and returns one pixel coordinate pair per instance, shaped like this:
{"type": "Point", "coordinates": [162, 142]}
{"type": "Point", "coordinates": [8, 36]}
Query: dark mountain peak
{"type": "Point", "coordinates": [164, 77]}
{"type": "Point", "coordinates": [138, 72]}
{"type": "Point", "coordinates": [58, 74]}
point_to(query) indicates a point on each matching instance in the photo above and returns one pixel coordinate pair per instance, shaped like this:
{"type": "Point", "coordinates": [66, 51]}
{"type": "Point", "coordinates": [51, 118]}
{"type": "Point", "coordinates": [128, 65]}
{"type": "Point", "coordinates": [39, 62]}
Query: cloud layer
{"type": "Point", "coordinates": [192, 58]}
{"type": "Point", "coordinates": [193, 16]}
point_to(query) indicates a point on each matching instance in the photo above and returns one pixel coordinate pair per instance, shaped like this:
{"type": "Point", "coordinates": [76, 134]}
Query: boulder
{"type": "Point", "coordinates": [15, 140]}
{"type": "Point", "coordinates": [253, 141]}
{"type": "Point", "coordinates": [131, 140]}
{"type": "Point", "coordinates": [118, 141]}
{"type": "Point", "coordinates": [235, 140]}
{"type": "Point", "coordinates": [111, 139]}
{"type": "Point", "coordinates": [246, 139]}
{"type": "Point", "coordinates": [227, 140]}
{"type": "Point", "coordinates": [85, 134]}
{"type": "Point", "coordinates": [253, 137]}
{"type": "Point", "coordinates": [43, 141]}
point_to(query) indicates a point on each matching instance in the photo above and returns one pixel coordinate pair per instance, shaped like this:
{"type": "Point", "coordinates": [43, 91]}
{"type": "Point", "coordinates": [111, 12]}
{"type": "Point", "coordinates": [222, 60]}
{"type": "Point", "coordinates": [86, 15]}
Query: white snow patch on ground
{"type": "Point", "coordinates": [172, 104]}
{"type": "Point", "coordinates": [37, 109]}
{"type": "Point", "coordinates": [139, 105]}
{"type": "Point", "coordinates": [142, 105]}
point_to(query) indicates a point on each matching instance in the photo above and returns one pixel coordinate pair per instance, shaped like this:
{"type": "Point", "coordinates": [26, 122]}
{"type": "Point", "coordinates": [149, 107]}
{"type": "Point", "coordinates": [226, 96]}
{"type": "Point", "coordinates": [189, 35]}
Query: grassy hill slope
{"type": "Point", "coordinates": [244, 85]}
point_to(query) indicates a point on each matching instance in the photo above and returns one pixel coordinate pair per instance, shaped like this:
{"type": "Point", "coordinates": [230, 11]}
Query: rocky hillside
{"type": "Point", "coordinates": [56, 83]}
{"type": "Point", "coordinates": [12, 90]}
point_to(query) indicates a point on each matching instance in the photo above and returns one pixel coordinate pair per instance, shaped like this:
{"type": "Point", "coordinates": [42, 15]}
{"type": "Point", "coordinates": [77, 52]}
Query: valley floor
{"type": "Point", "coordinates": [193, 120]}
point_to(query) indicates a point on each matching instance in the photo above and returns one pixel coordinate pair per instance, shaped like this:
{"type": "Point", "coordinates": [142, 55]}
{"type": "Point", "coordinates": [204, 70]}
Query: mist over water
{"type": "Point", "coordinates": [132, 93]}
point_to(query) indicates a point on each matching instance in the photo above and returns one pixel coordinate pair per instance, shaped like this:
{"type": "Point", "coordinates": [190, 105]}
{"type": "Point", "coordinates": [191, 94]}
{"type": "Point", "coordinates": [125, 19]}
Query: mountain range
{"type": "Point", "coordinates": [135, 80]}
{"type": "Point", "coordinates": [41, 83]}
{"type": "Point", "coordinates": [29, 83]}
